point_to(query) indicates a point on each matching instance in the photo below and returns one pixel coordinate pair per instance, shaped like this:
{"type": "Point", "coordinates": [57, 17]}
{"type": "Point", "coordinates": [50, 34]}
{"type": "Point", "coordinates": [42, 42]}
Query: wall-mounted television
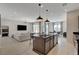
{"type": "Point", "coordinates": [21, 27]}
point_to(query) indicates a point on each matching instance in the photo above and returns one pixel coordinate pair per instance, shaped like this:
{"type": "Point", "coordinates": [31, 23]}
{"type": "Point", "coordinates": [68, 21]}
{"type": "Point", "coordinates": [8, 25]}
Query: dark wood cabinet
{"type": "Point", "coordinates": [43, 44]}
{"type": "Point", "coordinates": [38, 44]}
{"type": "Point", "coordinates": [55, 39]}
{"type": "Point", "coordinates": [47, 46]}
{"type": "Point", "coordinates": [51, 42]}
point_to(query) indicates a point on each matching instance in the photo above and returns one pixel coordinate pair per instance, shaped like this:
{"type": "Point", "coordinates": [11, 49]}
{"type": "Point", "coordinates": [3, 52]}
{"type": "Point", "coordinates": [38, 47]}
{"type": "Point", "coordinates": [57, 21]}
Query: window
{"type": "Point", "coordinates": [36, 28]}
{"type": "Point", "coordinates": [47, 27]}
{"type": "Point", "coordinates": [58, 26]}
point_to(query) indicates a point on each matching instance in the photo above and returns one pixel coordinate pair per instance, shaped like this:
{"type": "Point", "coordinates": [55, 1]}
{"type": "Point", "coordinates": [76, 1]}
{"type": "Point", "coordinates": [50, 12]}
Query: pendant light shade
{"type": "Point", "coordinates": [47, 16]}
{"type": "Point", "coordinates": [39, 18]}
{"type": "Point", "coordinates": [47, 20]}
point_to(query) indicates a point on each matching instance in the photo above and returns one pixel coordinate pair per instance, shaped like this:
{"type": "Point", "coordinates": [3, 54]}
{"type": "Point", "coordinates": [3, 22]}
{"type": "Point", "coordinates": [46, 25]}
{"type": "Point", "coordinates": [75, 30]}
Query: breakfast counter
{"type": "Point", "coordinates": [42, 44]}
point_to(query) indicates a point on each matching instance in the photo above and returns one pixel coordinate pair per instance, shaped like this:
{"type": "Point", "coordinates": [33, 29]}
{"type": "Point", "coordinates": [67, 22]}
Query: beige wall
{"type": "Point", "coordinates": [72, 24]}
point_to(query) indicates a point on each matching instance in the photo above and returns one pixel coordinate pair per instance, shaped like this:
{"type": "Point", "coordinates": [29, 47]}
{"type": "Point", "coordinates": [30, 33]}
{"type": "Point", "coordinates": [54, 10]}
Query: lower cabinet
{"type": "Point", "coordinates": [47, 46]}
{"type": "Point", "coordinates": [43, 45]}
{"type": "Point", "coordinates": [38, 45]}
{"type": "Point", "coordinates": [55, 40]}
{"type": "Point", "coordinates": [51, 42]}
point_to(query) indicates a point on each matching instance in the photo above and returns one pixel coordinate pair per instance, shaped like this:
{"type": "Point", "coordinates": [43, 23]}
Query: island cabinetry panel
{"type": "Point", "coordinates": [43, 44]}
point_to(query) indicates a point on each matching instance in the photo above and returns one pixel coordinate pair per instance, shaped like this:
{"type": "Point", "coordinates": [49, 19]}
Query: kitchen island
{"type": "Point", "coordinates": [42, 44]}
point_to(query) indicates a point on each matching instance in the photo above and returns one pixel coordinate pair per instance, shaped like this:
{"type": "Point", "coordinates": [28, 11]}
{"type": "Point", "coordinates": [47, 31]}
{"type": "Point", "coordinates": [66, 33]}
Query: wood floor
{"type": "Point", "coordinates": [9, 46]}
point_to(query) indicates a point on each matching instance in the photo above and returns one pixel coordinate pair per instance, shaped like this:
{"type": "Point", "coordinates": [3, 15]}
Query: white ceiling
{"type": "Point", "coordinates": [30, 11]}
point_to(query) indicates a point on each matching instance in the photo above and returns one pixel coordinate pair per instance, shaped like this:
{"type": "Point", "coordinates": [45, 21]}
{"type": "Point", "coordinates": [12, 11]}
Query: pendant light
{"type": "Point", "coordinates": [47, 16]}
{"type": "Point", "coordinates": [40, 18]}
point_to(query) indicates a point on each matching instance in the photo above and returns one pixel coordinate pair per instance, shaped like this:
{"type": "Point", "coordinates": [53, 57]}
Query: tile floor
{"type": "Point", "coordinates": [9, 46]}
